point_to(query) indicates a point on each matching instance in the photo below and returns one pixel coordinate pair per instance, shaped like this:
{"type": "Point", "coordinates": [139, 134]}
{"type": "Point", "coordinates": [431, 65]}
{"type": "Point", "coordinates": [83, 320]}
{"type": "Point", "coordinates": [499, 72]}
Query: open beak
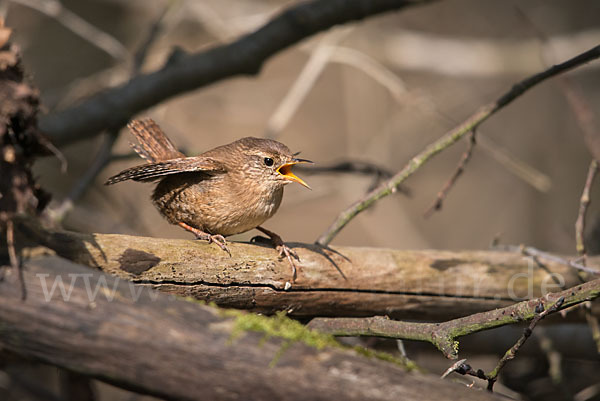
{"type": "Point", "coordinates": [286, 171]}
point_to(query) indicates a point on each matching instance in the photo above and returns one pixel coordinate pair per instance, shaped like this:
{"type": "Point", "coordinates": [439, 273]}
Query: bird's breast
{"type": "Point", "coordinates": [216, 205]}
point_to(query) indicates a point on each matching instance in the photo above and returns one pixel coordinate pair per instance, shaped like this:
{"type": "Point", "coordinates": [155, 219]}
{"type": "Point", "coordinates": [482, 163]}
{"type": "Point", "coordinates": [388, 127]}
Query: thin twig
{"type": "Point", "coordinates": [348, 166]}
{"type": "Point", "coordinates": [141, 54]}
{"type": "Point", "coordinates": [373, 68]}
{"type": "Point", "coordinates": [103, 157]}
{"type": "Point", "coordinates": [512, 352]}
{"type": "Point", "coordinates": [463, 368]}
{"type": "Point", "coordinates": [583, 206]}
{"type": "Point", "coordinates": [536, 253]}
{"type": "Point", "coordinates": [444, 335]}
{"type": "Point", "coordinates": [583, 112]}
{"type": "Point", "coordinates": [441, 196]}
{"type": "Point", "coordinates": [510, 162]}
{"type": "Point", "coordinates": [79, 26]}
{"type": "Point", "coordinates": [305, 81]}
{"type": "Point", "coordinates": [449, 139]}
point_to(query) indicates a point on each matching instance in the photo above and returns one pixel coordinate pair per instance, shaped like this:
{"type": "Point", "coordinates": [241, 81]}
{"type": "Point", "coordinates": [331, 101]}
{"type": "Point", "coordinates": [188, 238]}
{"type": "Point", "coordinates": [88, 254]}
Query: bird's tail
{"type": "Point", "coordinates": [154, 146]}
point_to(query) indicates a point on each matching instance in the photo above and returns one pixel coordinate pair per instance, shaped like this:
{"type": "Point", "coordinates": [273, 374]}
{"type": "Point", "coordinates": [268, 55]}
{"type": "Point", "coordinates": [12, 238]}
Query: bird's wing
{"type": "Point", "coordinates": [152, 171]}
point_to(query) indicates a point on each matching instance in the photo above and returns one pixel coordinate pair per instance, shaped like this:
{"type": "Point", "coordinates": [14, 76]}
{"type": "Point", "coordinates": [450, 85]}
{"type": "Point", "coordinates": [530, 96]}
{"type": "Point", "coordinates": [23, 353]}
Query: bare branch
{"type": "Point", "coordinates": [441, 196]}
{"type": "Point", "coordinates": [512, 352]}
{"type": "Point", "coordinates": [512, 164]}
{"type": "Point", "coordinates": [318, 60]}
{"type": "Point", "coordinates": [444, 335]}
{"type": "Point", "coordinates": [449, 139]}
{"type": "Point", "coordinates": [583, 206]}
{"type": "Point", "coordinates": [140, 55]}
{"type": "Point", "coordinates": [536, 253]}
{"type": "Point", "coordinates": [182, 73]}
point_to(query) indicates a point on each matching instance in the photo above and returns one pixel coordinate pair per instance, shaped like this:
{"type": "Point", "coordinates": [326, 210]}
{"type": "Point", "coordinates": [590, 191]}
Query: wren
{"type": "Point", "coordinates": [228, 190]}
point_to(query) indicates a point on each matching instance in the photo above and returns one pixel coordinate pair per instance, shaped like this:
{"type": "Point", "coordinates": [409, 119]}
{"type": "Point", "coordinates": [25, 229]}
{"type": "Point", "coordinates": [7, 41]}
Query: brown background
{"type": "Point", "coordinates": [348, 115]}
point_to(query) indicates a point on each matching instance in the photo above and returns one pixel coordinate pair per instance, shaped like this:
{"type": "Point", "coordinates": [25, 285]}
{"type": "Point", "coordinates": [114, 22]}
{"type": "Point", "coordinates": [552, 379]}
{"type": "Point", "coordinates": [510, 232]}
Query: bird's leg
{"type": "Point", "coordinates": [283, 249]}
{"type": "Point", "coordinates": [217, 239]}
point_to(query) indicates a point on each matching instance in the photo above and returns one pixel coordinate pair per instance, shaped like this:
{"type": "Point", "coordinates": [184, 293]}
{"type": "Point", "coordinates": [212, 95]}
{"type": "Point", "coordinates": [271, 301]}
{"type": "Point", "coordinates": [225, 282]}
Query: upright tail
{"type": "Point", "coordinates": [154, 146]}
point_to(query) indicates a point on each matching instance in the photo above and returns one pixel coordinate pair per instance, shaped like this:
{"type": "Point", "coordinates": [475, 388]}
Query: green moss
{"type": "Point", "coordinates": [292, 331]}
{"type": "Point", "coordinates": [279, 326]}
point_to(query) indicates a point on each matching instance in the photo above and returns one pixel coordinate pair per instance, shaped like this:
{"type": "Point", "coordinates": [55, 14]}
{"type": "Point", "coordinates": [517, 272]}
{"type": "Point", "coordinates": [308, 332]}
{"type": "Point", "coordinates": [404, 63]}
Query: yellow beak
{"type": "Point", "coordinates": [286, 171]}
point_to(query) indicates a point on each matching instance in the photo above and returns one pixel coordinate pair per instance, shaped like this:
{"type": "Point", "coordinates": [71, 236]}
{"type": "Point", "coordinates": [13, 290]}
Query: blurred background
{"type": "Point", "coordinates": [375, 92]}
{"type": "Point", "coordinates": [387, 87]}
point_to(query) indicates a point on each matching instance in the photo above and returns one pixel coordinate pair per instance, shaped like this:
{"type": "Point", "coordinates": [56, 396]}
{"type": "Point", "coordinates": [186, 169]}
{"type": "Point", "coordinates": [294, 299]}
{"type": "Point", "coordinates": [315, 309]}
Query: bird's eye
{"type": "Point", "coordinates": [268, 161]}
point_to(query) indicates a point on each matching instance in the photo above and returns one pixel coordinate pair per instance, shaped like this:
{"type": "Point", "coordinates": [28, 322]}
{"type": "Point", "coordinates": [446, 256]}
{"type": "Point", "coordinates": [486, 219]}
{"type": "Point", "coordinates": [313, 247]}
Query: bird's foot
{"type": "Point", "coordinates": [284, 250]}
{"type": "Point", "coordinates": [288, 252]}
{"type": "Point", "coordinates": [217, 239]}
{"type": "Point", "coordinates": [210, 238]}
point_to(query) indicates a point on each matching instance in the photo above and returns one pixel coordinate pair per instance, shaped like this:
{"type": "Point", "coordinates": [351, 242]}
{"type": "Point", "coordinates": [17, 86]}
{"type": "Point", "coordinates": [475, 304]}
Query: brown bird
{"type": "Point", "coordinates": [228, 190]}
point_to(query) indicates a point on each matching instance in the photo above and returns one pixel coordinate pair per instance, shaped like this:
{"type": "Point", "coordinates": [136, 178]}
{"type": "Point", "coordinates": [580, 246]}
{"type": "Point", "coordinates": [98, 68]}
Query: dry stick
{"type": "Point", "coordinates": [449, 139]}
{"type": "Point", "coordinates": [583, 206]}
{"type": "Point", "coordinates": [512, 352]}
{"type": "Point", "coordinates": [465, 369]}
{"type": "Point", "coordinates": [102, 158]}
{"type": "Point", "coordinates": [519, 168]}
{"type": "Point", "coordinates": [536, 253]}
{"type": "Point", "coordinates": [444, 335]}
{"type": "Point", "coordinates": [305, 81]}
{"type": "Point", "coordinates": [441, 196]}
{"type": "Point", "coordinates": [374, 69]}
{"type": "Point", "coordinates": [141, 54]}
{"type": "Point", "coordinates": [245, 56]}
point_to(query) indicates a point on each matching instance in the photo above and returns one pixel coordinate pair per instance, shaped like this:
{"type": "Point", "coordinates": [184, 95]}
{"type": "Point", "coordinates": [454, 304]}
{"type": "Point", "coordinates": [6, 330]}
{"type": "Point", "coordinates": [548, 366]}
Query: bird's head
{"type": "Point", "coordinates": [269, 162]}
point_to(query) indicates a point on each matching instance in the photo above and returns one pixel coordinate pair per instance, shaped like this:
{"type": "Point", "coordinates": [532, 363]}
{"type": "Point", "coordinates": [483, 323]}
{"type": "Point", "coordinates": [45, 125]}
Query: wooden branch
{"type": "Point", "coordinates": [114, 107]}
{"type": "Point", "coordinates": [460, 168]}
{"type": "Point", "coordinates": [509, 355]}
{"type": "Point", "coordinates": [444, 335]}
{"type": "Point", "coordinates": [155, 344]}
{"type": "Point", "coordinates": [424, 285]}
{"type": "Point", "coordinates": [448, 139]}
{"type": "Point", "coordinates": [583, 206]}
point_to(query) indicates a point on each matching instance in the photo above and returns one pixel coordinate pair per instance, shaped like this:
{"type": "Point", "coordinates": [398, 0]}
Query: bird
{"type": "Point", "coordinates": [227, 190]}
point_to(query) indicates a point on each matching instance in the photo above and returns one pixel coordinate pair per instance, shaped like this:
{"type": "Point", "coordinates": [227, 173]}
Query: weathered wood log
{"type": "Point", "coordinates": [101, 326]}
{"type": "Point", "coordinates": [342, 281]}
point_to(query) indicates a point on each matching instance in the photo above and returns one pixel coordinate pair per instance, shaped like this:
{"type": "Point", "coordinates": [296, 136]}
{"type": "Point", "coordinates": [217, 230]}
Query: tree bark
{"type": "Point", "coordinates": [100, 326]}
{"type": "Point", "coordinates": [342, 281]}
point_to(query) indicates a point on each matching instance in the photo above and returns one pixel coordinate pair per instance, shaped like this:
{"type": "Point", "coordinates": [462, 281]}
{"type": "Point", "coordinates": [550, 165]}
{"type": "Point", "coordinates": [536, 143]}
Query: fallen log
{"type": "Point", "coordinates": [102, 327]}
{"type": "Point", "coordinates": [339, 281]}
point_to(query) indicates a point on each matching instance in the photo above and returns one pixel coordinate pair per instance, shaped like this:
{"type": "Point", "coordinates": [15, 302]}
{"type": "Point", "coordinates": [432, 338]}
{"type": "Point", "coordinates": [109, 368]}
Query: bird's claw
{"type": "Point", "coordinates": [210, 238]}
{"type": "Point", "coordinates": [284, 250]}
{"type": "Point", "coordinates": [217, 239]}
{"type": "Point", "coordinates": [220, 241]}
{"type": "Point", "coordinates": [289, 254]}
